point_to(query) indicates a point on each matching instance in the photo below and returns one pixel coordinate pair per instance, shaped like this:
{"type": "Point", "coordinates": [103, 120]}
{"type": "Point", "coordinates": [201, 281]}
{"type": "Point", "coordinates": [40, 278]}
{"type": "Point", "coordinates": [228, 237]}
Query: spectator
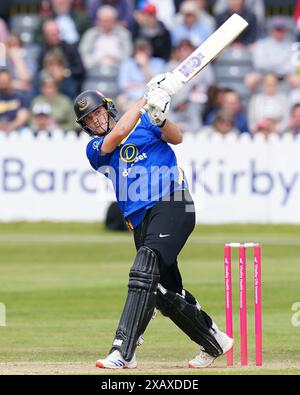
{"type": "Point", "coordinates": [107, 43]}
{"type": "Point", "coordinates": [294, 126]}
{"type": "Point", "coordinates": [135, 72]}
{"type": "Point", "coordinates": [72, 59]}
{"type": "Point", "coordinates": [54, 65]}
{"type": "Point", "coordinates": [177, 4]}
{"type": "Point", "coordinates": [249, 35]}
{"type": "Point", "coordinates": [207, 19]}
{"type": "Point", "coordinates": [256, 6]}
{"type": "Point", "coordinates": [223, 124]}
{"type": "Point", "coordinates": [148, 27]}
{"type": "Point", "coordinates": [231, 103]}
{"type": "Point", "coordinates": [213, 103]}
{"type": "Point", "coordinates": [123, 7]}
{"type": "Point", "coordinates": [61, 105]}
{"type": "Point", "coordinates": [186, 107]}
{"type": "Point", "coordinates": [71, 23]}
{"type": "Point", "coordinates": [13, 105]}
{"type": "Point", "coordinates": [5, 10]}
{"type": "Point", "coordinates": [191, 27]}
{"type": "Point", "coordinates": [294, 96]}
{"type": "Point", "coordinates": [3, 31]}
{"type": "Point", "coordinates": [272, 54]}
{"type": "Point", "coordinates": [268, 111]}
{"type": "Point", "coordinates": [166, 10]}
{"type": "Point", "coordinates": [42, 120]}
{"type": "Point", "coordinates": [20, 65]}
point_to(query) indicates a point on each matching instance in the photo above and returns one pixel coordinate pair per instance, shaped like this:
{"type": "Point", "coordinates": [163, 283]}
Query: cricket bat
{"type": "Point", "coordinates": [210, 48]}
{"type": "Point", "coordinates": [208, 51]}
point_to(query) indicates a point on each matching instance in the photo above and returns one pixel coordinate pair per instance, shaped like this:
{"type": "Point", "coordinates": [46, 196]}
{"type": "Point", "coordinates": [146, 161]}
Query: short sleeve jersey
{"type": "Point", "coordinates": [143, 169]}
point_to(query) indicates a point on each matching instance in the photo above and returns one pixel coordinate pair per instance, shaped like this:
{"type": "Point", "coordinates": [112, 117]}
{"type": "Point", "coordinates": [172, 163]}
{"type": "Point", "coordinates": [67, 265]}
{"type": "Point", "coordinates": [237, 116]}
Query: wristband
{"type": "Point", "coordinates": [143, 111]}
{"type": "Point", "coordinates": [162, 124]}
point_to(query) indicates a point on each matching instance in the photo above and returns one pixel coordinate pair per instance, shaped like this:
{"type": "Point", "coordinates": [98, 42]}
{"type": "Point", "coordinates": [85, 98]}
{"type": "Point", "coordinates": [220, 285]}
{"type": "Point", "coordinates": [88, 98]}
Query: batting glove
{"type": "Point", "coordinates": [168, 82]}
{"type": "Point", "coordinates": [158, 105]}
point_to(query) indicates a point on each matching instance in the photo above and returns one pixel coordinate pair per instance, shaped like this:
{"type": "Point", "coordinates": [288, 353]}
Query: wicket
{"type": "Point", "coordinates": [243, 300]}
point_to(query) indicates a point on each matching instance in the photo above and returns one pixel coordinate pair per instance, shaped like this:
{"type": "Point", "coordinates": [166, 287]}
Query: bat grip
{"type": "Point", "coordinates": [145, 109]}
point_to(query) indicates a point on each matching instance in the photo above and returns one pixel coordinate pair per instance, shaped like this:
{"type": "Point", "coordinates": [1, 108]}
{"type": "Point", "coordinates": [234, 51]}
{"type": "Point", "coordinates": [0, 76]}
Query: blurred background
{"type": "Point", "coordinates": [56, 48]}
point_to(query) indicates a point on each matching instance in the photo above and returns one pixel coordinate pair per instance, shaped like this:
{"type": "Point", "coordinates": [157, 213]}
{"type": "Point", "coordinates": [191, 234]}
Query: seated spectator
{"type": "Point", "coordinates": [20, 65]}
{"type": "Point", "coordinates": [186, 107]}
{"type": "Point", "coordinates": [191, 26]}
{"type": "Point", "coordinates": [177, 4]}
{"type": "Point", "coordinates": [256, 6]}
{"type": "Point", "coordinates": [71, 23]}
{"type": "Point", "coordinates": [294, 125]}
{"type": "Point", "coordinates": [14, 113]}
{"type": "Point", "coordinates": [123, 8]}
{"type": "Point", "coordinates": [72, 58]}
{"type": "Point", "coordinates": [223, 124]}
{"type": "Point", "coordinates": [135, 72]}
{"type": "Point", "coordinates": [268, 111]}
{"type": "Point", "coordinates": [42, 120]}
{"type": "Point", "coordinates": [294, 97]}
{"type": "Point", "coordinates": [3, 31]}
{"type": "Point", "coordinates": [166, 10]}
{"type": "Point", "coordinates": [61, 105]}
{"type": "Point", "coordinates": [207, 19]}
{"type": "Point", "coordinates": [107, 43]}
{"type": "Point", "coordinates": [213, 103]}
{"type": "Point", "coordinates": [54, 65]}
{"type": "Point", "coordinates": [231, 103]}
{"type": "Point", "coordinates": [148, 27]}
{"type": "Point", "coordinates": [272, 54]}
{"type": "Point", "coordinates": [249, 35]}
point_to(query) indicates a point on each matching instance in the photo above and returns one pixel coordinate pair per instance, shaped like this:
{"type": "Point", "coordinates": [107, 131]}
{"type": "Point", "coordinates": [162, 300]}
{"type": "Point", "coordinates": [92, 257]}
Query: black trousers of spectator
{"type": "Point", "coordinates": [165, 229]}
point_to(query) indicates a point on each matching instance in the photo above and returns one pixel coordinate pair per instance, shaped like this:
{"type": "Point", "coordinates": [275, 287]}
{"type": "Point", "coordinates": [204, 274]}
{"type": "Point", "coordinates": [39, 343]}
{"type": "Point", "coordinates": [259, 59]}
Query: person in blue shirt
{"type": "Point", "coordinates": [191, 25]}
{"type": "Point", "coordinates": [14, 105]}
{"type": "Point", "coordinates": [135, 154]}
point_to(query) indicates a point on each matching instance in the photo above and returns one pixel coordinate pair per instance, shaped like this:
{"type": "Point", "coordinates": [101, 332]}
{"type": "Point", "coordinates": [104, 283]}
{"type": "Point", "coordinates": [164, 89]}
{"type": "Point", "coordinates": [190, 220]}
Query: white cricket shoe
{"type": "Point", "coordinates": [116, 361]}
{"type": "Point", "coordinates": [204, 360]}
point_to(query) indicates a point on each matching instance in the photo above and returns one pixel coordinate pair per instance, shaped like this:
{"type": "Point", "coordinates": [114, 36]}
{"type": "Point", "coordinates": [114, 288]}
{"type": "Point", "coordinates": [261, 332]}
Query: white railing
{"type": "Point", "coordinates": [232, 179]}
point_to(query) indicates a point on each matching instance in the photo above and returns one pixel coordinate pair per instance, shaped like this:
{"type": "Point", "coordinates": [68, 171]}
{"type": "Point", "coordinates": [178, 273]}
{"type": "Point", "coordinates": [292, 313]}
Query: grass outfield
{"type": "Point", "coordinates": [64, 286]}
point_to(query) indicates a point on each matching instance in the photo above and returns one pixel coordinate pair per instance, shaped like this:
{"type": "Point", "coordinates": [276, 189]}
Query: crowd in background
{"type": "Point", "coordinates": [117, 46]}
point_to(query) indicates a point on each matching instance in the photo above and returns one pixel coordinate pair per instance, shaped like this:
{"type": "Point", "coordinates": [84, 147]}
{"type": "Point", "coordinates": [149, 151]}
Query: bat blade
{"type": "Point", "coordinates": [210, 48]}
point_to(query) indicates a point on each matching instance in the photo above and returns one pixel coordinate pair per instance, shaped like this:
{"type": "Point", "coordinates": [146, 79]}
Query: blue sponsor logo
{"type": "Point", "coordinates": [191, 64]}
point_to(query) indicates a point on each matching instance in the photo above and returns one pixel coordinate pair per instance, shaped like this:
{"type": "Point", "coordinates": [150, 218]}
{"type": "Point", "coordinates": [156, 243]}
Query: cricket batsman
{"type": "Point", "coordinates": [135, 154]}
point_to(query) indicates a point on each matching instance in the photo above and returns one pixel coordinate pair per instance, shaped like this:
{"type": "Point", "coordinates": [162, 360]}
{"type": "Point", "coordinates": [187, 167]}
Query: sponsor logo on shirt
{"type": "Point", "coordinates": [138, 158]}
{"type": "Point", "coordinates": [96, 145]}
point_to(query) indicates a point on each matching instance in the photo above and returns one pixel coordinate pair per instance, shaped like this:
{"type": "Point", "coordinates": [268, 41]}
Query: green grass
{"type": "Point", "coordinates": [64, 286]}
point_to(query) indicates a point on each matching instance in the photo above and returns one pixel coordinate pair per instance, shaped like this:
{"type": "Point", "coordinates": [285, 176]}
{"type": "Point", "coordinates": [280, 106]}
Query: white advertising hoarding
{"type": "Point", "coordinates": [232, 179]}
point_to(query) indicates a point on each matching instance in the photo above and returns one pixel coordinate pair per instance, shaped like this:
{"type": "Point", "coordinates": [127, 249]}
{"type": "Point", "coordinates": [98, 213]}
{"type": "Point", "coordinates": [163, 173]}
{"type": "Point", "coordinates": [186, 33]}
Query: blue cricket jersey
{"type": "Point", "coordinates": [143, 169]}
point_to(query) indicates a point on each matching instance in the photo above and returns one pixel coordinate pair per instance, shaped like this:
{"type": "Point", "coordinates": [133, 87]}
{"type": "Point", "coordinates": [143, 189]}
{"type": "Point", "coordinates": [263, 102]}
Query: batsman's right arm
{"type": "Point", "coordinates": [123, 127]}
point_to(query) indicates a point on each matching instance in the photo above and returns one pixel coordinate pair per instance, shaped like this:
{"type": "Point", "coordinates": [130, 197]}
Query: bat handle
{"type": "Point", "coordinates": [144, 109]}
